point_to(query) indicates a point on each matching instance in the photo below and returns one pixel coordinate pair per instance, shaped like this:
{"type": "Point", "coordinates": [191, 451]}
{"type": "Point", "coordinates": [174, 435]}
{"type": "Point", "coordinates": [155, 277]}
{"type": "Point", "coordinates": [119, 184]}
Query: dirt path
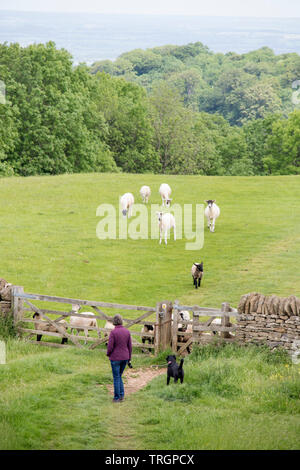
{"type": "Point", "coordinates": [135, 379]}
{"type": "Point", "coordinates": [122, 426]}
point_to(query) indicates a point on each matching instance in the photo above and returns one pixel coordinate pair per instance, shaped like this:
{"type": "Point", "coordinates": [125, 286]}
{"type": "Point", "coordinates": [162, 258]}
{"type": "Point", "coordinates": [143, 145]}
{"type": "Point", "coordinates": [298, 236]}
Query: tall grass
{"type": "Point", "coordinates": [7, 326]}
{"type": "Point", "coordinates": [232, 398]}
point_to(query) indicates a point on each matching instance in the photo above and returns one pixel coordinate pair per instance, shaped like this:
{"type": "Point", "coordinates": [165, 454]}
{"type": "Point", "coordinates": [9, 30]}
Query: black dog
{"type": "Point", "coordinates": [174, 370]}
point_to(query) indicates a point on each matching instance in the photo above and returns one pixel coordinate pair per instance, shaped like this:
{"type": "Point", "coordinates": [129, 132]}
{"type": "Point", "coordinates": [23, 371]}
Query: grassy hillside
{"type": "Point", "coordinates": [233, 398]}
{"type": "Point", "coordinates": [49, 244]}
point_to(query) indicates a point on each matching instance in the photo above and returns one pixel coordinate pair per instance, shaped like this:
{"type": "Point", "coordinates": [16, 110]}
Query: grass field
{"type": "Point", "coordinates": [56, 399]}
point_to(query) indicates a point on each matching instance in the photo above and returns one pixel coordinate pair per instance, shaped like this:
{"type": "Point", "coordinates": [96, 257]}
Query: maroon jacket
{"type": "Point", "coordinates": [119, 344]}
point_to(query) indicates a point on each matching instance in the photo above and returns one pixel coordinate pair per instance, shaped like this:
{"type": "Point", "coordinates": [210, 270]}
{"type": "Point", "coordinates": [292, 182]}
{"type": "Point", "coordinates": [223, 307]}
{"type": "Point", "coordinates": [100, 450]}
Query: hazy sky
{"type": "Point", "coordinates": [267, 8]}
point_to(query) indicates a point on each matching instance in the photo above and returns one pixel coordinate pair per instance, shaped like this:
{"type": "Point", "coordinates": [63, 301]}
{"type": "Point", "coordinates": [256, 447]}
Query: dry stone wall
{"type": "Point", "coordinates": [270, 320]}
{"type": "Point", "coordinates": [5, 296]}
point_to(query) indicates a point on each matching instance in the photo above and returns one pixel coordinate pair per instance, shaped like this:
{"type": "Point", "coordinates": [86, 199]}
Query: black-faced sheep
{"type": "Point", "coordinates": [165, 192]}
{"type": "Point", "coordinates": [147, 329]}
{"type": "Point", "coordinates": [197, 273]}
{"type": "Point", "coordinates": [185, 336]}
{"type": "Point", "coordinates": [185, 329]}
{"type": "Point", "coordinates": [166, 221]}
{"type": "Point", "coordinates": [212, 212]}
{"type": "Point", "coordinates": [126, 202]}
{"type": "Point", "coordinates": [39, 324]}
{"type": "Point", "coordinates": [82, 324]}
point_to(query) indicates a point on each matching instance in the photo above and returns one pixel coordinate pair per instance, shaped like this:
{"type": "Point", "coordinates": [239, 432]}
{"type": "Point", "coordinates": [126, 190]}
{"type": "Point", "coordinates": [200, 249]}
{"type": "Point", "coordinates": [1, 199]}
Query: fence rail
{"type": "Point", "coordinates": [169, 329]}
{"type": "Point", "coordinates": [22, 306]}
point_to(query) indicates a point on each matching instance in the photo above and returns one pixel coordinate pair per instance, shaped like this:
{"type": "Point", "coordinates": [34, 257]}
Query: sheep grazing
{"type": "Point", "coordinates": [145, 193]}
{"type": "Point", "coordinates": [165, 193]}
{"type": "Point", "coordinates": [212, 212]}
{"type": "Point", "coordinates": [127, 201]}
{"type": "Point", "coordinates": [166, 221]}
{"type": "Point", "coordinates": [197, 273]}
{"type": "Point", "coordinates": [39, 324]}
{"type": "Point", "coordinates": [82, 324]}
{"type": "Point", "coordinates": [147, 329]}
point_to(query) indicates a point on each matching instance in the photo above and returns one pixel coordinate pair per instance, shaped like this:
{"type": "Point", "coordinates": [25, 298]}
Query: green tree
{"type": "Point", "coordinates": [181, 137]}
{"type": "Point", "coordinates": [59, 128]}
{"type": "Point", "coordinates": [126, 110]}
{"type": "Point", "coordinates": [283, 146]}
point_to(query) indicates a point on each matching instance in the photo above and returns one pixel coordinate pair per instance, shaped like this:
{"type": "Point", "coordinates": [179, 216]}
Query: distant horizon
{"type": "Point", "coordinates": [146, 14]}
{"type": "Point", "coordinates": [92, 37]}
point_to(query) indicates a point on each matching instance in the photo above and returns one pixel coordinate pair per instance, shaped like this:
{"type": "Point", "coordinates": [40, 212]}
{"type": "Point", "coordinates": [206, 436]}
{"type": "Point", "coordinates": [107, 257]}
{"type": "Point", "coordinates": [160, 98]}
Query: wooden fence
{"type": "Point", "coordinates": [24, 308]}
{"type": "Point", "coordinates": [201, 332]}
{"type": "Point", "coordinates": [169, 330]}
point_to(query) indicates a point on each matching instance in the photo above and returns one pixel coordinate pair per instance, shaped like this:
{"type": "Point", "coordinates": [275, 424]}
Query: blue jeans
{"type": "Point", "coordinates": [117, 370]}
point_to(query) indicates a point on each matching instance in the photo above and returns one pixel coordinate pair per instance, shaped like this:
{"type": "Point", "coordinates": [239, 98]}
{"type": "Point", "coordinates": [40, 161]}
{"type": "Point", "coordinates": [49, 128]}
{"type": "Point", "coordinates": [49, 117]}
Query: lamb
{"type": "Point", "coordinates": [165, 193]}
{"type": "Point", "coordinates": [185, 336]}
{"type": "Point", "coordinates": [218, 321]}
{"type": "Point", "coordinates": [212, 212]}
{"type": "Point", "coordinates": [147, 329]}
{"type": "Point", "coordinates": [82, 324]}
{"type": "Point", "coordinates": [39, 324]}
{"type": "Point", "coordinates": [197, 273]}
{"type": "Point", "coordinates": [185, 316]}
{"type": "Point", "coordinates": [109, 326]}
{"type": "Point", "coordinates": [166, 221]}
{"type": "Point", "coordinates": [127, 201]}
{"type": "Point", "coordinates": [145, 193]}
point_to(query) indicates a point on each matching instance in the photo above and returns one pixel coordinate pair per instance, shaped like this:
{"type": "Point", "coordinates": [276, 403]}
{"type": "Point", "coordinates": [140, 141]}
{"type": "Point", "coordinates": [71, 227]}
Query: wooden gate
{"type": "Point", "coordinates": [169, 330]}
{"type": "Point", "coordinates": [201, 332]}
{"type": "Point", "coordinates": [23, 308]}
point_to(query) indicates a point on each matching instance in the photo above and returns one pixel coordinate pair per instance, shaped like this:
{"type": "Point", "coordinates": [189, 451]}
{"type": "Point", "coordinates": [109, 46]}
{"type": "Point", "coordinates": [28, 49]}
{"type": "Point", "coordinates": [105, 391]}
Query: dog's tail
{"type": "Point", "coordinates": [181, 363]}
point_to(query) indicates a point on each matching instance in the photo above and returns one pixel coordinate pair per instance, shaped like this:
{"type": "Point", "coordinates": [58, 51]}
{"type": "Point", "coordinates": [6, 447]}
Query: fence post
{"type": "Point", "coordinates": [175, 329]}
{"type": "Point", "coordinates": [157, 329]}
{"type": "Point", "coordinates": [17, 304]}
{"type": "Point", "coordinates": [163, 326]}
{"type": "Point", "coordinates": [225, 319]}
{"type": "Point", "coordinates": [195, 334]}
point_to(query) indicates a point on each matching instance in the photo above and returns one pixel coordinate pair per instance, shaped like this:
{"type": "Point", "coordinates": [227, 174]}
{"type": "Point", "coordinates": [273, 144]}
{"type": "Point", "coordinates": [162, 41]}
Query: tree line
{"type": "Point", "coordinates": [175, 109]}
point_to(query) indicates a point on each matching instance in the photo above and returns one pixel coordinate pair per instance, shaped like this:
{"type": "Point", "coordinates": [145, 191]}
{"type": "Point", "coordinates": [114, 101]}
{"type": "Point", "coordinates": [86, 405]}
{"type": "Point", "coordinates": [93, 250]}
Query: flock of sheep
{"type": "Point", "coordinates": [79, 323]}
{"type": "Point", "coordinates": [166, 222]}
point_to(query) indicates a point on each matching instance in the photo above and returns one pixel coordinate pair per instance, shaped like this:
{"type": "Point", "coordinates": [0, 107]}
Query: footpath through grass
{"type": "Point", "coordinates": [232, 398]}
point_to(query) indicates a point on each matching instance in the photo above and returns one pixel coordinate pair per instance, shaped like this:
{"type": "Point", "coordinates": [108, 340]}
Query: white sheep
{"type": "Point", "coordinates": [185, 316]}
{"type": "Point", "coordinates": [185, 336]}
{"type": "Point", "coordinates": [165, 193]}
{"type": "Point", "coordinates": [39, 324]}
{"type": "Point", "coordinates": [82, 324]}
{"type": "Point", "coordinates": [127, 201]}
{"type": "Point", "coordinates": [109, 326]}
{"type": "Point", "coordinates": [218, 321]}
{"type": "Point", "coordinates": [145, 193]}
{"type": "Point", "coordinates": [212, 212]}
{"type": "Point", "coordinates": [166, 221]}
